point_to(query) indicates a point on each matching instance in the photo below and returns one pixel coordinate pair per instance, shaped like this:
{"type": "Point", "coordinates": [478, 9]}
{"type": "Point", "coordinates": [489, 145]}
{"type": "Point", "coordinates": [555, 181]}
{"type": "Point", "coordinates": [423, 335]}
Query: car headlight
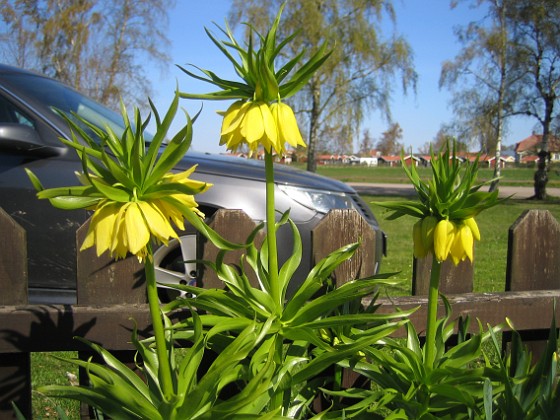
{"type": "Point", "coordinates": [318, 200]}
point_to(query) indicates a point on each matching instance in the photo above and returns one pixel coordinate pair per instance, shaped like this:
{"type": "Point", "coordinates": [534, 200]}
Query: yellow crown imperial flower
{"type": "Point", "coordinates": [251, 123]}
{"type": "Point", "coordinates": [129, 186]}
{"type": "Point", "coordinates": [259, 117]}
{"type": "Point", "coordinates": [446, 208]}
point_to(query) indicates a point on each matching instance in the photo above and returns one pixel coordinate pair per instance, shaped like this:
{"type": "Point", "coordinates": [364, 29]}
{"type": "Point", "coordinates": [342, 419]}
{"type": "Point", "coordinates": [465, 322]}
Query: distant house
{"type": "Point", "coordinates": [391, 160]}
{"type": "Point", "coordinates": [530, 147]}
{"type": "Point", "coordinates": [411, 159]}
{"type": "Point", "coordinates": [369, 161]}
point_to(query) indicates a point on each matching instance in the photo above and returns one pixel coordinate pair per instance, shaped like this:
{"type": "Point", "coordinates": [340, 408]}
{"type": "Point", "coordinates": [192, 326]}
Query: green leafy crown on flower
{"type": "Point", "coordinates": [446, 206]}
{"type": "Point", "coordinates": [258, 117]}
{"type": "Point", "coordinates": [128, 183]}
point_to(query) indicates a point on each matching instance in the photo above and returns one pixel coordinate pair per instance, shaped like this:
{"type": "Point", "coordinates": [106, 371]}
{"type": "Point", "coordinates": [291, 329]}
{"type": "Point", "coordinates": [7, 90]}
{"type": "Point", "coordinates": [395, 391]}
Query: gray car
{"type": "Point", "coordinates": [29, 137]}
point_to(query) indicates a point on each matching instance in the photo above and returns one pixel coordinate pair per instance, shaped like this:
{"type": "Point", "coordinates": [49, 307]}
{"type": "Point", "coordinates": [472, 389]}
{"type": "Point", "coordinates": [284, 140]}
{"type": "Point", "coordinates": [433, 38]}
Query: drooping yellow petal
{"type": "Point", "coordinates": [253, 128]}
{"type": "Point", "coordinates": [102, 224]}
{"type": "Point", "coordinates": [468, 242]}
{"type": "Point", "coordinates": [286, 123]}
{"type": "Point", "coordinates": [233, 117]}
{"type": "Point", "coordinates": [119, 243]}
{"type": "Point", "coordinates": [457, 251]}
{"type": "Point", "coordinates": [443, 239]}
{"type": "Point", "coordinates": [428, 225]}
{"type": "Point", "coordinates": [157, 222]}
{"type": "Point", "coordinates": [137, 231]}
{"type": "Point", "coordinates": [471, 223]}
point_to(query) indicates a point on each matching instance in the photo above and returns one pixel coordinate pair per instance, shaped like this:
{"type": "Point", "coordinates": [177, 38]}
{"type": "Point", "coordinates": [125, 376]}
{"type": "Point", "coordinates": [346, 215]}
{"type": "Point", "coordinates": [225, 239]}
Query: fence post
{"type": "Point", "coordinates": [533, 262]}
{"type": "Point", "coordinates": [337, 229]}
{"type": "Point", "coordinates": [15, 368]}
{"type": "Point", "coordinates": [103, 281]}
{"type": "Point", "coordinates": [453, 279]}
{"type": "Point", "coordinates": [235, 226]}
{"type": "Point", "coordinates": [342, 227]}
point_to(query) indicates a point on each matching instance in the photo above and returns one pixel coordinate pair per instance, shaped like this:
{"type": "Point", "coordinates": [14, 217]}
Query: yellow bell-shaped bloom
{"type": "Point", "coordinates": [251, 123]}
{"type": "Point", "coordinates": [288, 130]}
{"type": "Point", "coordinates": [463, 244]}
{"type": "Point", "coordinates": [444, 234]}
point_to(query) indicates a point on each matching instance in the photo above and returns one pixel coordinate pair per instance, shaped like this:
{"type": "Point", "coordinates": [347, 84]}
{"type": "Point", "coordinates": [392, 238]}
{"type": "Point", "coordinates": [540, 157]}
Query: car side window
{"type": "Point", "coordinates": [11, 114]}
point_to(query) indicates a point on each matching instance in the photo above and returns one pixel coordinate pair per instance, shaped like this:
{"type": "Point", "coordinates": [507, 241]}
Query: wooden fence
{"type": "Point", "coordinates": [110, 293]}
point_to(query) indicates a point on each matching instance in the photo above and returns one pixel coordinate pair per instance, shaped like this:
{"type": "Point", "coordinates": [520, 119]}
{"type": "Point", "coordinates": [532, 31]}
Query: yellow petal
{"type": "Point", "coordinates": [287, 124]}
{"type": "Point", "coordinates": [457, 251]}
{"type": "Point", "coordinates": [252, 128]}
{"type": "Point", "coordinates": [157, 222]}
{"type": "Point", "coordinates": [443, 239]}
{"type": "Point", "coordinates": [137, 232]}
{"type": "Point", "coordinates": [467, 241]}
{"type": "Point", "coordinates": [428, 225]}
{"type": "Point", "coordinates": [471, 223]}
{"type": "Point", "coordinates": [103, 224]}
{"type": "Point", "coordinates": [233, 117]}
{"type": "Point", "coordinates": [119, 243]}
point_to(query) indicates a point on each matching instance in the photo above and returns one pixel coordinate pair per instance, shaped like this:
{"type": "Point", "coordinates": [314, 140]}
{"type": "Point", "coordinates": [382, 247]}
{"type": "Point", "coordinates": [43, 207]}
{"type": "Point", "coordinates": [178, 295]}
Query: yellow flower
{"type": "Point", "coordinates": [286, 123]}
{"type": "Point", "coordinates": [128, 227]}
{"type": "Point", "coordinates": [444, 234]}
{"type": "Point", "coordinates": [250, 123]}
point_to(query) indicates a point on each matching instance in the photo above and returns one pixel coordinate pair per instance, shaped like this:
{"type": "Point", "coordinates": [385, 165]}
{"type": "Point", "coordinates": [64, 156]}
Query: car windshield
{"type": "Point", "coordinates": [57, 96]}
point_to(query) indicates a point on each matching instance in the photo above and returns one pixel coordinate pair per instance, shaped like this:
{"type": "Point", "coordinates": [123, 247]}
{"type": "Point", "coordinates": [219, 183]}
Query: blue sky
{"type": "Point", "coordinates": [426, 24]}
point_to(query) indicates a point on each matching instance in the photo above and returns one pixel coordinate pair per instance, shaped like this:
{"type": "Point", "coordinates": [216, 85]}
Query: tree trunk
{"type": "Point", "coordinates": [541, 176]}
{"type": "Point", "coordinates": [313, 127]}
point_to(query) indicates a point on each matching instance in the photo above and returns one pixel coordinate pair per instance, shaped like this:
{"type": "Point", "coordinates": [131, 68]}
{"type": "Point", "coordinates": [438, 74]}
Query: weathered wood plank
{"type": "Point", "coordinates": [103, 281]}
{"type": "Point", "coordinates": [453, 279]}
{"type": "Point", "coordinates": [32, 328]}
{"type": "Point", "coordinates": [533, 261]}
{"type": "Point", "coordinates": [526, 310]}
{"type": "Point", "coordinates": [13, 261]}
{"type": "Point", "coordinates": [15, 372]}
{"type": "Point", "coordinates": [339, 228]}
{"type": "Point", "coordinates": [235, 226]}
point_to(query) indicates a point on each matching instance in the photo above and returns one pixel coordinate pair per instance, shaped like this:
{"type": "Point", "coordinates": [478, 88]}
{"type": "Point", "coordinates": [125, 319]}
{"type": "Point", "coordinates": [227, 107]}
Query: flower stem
{"type": "Point", "coordinates": [431, 319]}
{"type": "Point", "coordinates": [157, 324]}
{"type": "Point", "coordinates": [271, 232]}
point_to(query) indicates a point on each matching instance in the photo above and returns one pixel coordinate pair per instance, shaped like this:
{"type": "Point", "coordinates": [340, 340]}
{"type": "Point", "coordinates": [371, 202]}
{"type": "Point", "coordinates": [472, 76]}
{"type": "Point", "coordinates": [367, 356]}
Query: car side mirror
{"type": "Point", "coordinates": [19, 138]}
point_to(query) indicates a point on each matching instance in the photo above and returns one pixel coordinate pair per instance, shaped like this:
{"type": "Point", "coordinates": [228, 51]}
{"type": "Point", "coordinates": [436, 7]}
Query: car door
{"type": "Point", "coordinates": [26, 141]}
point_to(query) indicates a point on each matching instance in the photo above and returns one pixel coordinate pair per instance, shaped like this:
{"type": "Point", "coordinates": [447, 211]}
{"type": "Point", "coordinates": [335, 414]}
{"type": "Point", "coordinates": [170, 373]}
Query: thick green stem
{"type": "Point", "coordinates": [157, 324]}
{"type": "Point", "coordinates": [271, 232]}
{"type": "Point", "coordinates": [431, 319]}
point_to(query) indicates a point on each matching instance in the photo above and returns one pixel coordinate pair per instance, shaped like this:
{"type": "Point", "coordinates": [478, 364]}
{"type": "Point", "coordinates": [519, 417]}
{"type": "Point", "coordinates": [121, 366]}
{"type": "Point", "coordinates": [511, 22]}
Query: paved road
{"type": "Point", "coordinates": [404, 190]}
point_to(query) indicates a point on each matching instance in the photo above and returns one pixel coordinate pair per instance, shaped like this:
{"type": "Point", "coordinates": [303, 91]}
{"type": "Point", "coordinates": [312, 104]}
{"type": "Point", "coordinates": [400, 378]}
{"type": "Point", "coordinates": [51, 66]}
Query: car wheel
{"type": "Point", "coordinates": [174, 264]}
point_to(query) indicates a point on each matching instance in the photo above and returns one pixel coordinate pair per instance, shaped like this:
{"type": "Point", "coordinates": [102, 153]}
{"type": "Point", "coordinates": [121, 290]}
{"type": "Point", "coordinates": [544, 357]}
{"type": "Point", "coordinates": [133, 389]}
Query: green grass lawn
{"type": "Point", "coordinates": [384, 174]}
